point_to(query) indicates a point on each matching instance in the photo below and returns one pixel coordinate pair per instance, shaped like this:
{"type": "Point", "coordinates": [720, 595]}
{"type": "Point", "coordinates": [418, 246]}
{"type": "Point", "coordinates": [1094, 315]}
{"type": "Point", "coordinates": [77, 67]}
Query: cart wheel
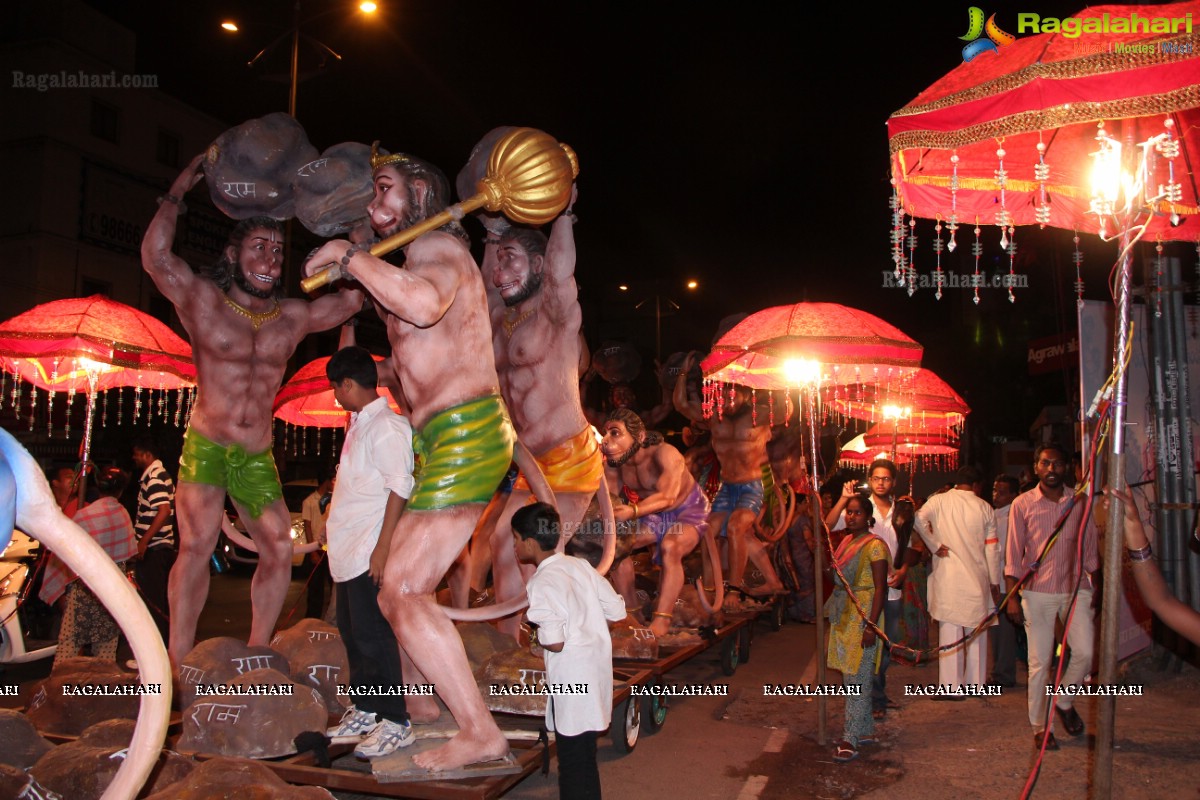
{"type": "Point", "coordinates": [654, 711]}
{"type": "Point", "coordinates": [745, 634]}
{"type": "Point", "coordinates": [730, 654]}
{"type": "Point", "coordinates": [778, 614]}
{"type": "Point", "coordinates": [626, 725]}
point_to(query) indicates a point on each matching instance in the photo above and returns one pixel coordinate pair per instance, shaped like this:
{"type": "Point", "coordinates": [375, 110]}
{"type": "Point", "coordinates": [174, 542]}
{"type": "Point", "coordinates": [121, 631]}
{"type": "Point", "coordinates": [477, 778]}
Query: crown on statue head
{"type": "Point", "coordinates": [383, 159]}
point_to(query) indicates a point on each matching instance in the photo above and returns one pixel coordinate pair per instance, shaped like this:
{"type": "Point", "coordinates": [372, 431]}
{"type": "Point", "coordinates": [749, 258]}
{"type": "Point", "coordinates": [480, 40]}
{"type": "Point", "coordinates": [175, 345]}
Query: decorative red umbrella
{"type": "Point", "coordinates": [1009, 138]}
{"type": "Point", "coordinates": [925, 448]}
{"type": "Point", "coordinates": [307, 401]}
{"type": "Point", "coordinates": [924, 400]}
{"type": "Point", "coordinates": [855, 453]}
{"type": "Point", "coordinates": [90, 344]}
{"type": "Point", "coordinates": [775, 347]}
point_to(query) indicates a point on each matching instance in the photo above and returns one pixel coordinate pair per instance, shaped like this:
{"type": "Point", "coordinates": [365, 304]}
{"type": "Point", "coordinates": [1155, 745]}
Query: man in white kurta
{"type": "Point", "coordinates": [571, 605]}
{"type": "Point", "coordinates": [960, 529]}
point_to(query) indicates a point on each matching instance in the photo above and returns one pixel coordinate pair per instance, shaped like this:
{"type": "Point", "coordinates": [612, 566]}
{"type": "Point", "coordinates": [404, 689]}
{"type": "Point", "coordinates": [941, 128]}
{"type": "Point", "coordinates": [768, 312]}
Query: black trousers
{"type": "Point", "coordinates": [318, 578]}
{"type": "Point", "coordinates": [152, 573]}
{"type": "Point", "coordinates": [578, 775]}
{"type": "Point", "coordinates": [371, 648]}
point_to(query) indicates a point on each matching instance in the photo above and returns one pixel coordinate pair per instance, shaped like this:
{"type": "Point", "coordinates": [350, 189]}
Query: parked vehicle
{"type": "Point", "coordinates": [19, 625]}
{"type": "Point", "coordinates": [294, 494]}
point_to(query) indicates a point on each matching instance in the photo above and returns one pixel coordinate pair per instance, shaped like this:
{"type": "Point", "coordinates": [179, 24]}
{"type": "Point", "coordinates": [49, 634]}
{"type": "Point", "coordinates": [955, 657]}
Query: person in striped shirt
{"type": "Point", "coordinates": [1046, 596]}
{"type": "Point", "coordinates": [155, 530]}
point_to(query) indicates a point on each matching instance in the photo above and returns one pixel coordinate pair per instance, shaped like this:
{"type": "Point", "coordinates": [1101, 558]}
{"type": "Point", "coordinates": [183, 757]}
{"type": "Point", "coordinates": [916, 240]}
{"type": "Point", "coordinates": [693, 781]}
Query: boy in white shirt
{"type": "Point", "coordinates": [375, 480]}
{"type": "Point", "coordinates": [569, 602]}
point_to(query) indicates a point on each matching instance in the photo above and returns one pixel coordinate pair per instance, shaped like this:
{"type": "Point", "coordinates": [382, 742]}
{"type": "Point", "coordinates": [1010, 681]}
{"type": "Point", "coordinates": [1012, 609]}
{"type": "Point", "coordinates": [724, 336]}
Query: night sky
{"type": "Point", "coordinates": [744, 148]}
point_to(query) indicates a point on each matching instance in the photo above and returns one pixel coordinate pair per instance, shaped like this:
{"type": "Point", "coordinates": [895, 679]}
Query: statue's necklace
{"type": "Point", "coordinates": [257, 319]}
{"type": "Point", "coordinates": [511, 322]}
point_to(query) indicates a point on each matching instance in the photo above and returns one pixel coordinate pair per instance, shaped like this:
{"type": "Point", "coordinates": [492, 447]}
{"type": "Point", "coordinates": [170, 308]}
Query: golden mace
{"type": "Point", "coordinates": [529, 177]}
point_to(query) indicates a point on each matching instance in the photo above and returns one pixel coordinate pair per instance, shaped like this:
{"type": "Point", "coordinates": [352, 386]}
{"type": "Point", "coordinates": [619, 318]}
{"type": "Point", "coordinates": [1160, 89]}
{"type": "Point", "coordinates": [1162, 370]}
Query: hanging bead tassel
{"type": "Point", "coordinates": [1041, 173]}
{"type": "Point", "coordinates": [32, 405]}
{"type": "Point", "coordinates": [191, 405]}
{"type": "Point", "coordinates": [137, 403]}
{"type": "Point", "coordinates": [952, 220]}
{"type": "Point", "coordinates": [977, 251]}
{"type": "Point", "coordinates": [104, 409]}
{"type": "Point", "coordinates": [1003, 219]}
{"type": "Point", "coordinates": [50, 401]}
{"type": "Point", "coordinates": [1012, 259]}
{"type": "Point", "coordinates": [938, 245]}
{"type": "Point", "coordinates": [753, 407]}
{"type": "Point", "coordinates": [1077, 257]}
{"type": "Point", "coordinates": [897, 234]}
{"type": "Point", "coordinates": [912, 254]}
{"type": "Point", "coordinates": [70, 405]}
{"type": "Point", "coordinates": [1171, 191]}
{"type": "Point", "coordinates": [771, 409]}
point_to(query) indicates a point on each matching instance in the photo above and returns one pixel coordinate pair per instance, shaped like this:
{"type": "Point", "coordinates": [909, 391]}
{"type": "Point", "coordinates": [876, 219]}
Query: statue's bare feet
{"type": "Point", "coordinates": [464, 749]}
{"type": "Point", "coordinates": [422, 709]}
{"type": "Point", "coordinates": [766, 590]}
{"type": "Point", "coordinates": [660, 626]}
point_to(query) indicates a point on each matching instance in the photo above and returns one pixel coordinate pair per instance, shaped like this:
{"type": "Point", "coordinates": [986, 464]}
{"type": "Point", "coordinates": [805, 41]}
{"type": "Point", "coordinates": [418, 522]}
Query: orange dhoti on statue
{"type": "Point", "coordinates": [573, 466]}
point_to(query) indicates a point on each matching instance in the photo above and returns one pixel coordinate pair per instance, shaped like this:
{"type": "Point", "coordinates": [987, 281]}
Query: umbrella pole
{"type": "Point", "coordinates": [1114, 539]}
{"type": "Point", "coordinates": [814, 505]}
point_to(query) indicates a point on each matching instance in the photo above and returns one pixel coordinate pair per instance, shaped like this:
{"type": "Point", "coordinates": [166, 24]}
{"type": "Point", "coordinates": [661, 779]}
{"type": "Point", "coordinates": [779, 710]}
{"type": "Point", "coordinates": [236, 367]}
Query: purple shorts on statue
{"type": "Point", "coordinates": [692, 511]}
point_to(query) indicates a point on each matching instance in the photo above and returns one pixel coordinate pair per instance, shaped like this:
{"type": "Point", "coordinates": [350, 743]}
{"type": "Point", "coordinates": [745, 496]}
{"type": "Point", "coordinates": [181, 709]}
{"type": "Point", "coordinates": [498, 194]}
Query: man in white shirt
{"type": "Point", "coordinates": [569, 602]}
{"type": "Point", "coordinates": [881, 478]}
{"type": "Point", "coordinates": [959, 528]}
{"type": "Point", "coordinates": [377, 463]}
{"type": "Point", "coordinates": [1003, 638]}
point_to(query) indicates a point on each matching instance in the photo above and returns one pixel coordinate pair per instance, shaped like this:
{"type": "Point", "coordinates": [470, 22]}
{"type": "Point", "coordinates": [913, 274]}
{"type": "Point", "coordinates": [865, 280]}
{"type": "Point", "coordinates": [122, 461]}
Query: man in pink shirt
{"type": "Point", "coordinates": [1046, 595]}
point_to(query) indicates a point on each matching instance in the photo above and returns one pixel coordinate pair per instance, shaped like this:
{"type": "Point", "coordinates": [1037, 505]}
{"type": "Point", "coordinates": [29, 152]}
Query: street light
{"type": "Point", "coordinates": [367, 8]}
{"type": "Point", "coordinates": [659, 311]}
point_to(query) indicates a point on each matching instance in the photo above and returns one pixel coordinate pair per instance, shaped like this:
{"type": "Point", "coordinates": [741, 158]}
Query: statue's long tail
{"type": "Point", "coordinates": [246, 543]}
{"type": "Point", "coordinates": [22, 482]}
{"type": "Point", "coordinates": [714, 558]}
{"type": "Point", "coordinates": [541, 489]}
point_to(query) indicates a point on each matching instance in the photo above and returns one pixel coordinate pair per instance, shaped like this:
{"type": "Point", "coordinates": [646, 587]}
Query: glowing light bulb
{"type": "Point", "coordinates": [802, 371]}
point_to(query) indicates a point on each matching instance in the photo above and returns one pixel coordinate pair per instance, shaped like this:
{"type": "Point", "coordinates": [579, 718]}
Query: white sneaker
{"type": "Point", "coordinates": [354, 726]}
{"type": "Point", "coordinates": [387, 738]}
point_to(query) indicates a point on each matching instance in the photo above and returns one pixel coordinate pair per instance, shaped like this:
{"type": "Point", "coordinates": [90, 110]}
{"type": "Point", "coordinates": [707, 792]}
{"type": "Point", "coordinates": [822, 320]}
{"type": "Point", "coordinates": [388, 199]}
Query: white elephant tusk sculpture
{"type": "Point", "coordinates": [26, 500]}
